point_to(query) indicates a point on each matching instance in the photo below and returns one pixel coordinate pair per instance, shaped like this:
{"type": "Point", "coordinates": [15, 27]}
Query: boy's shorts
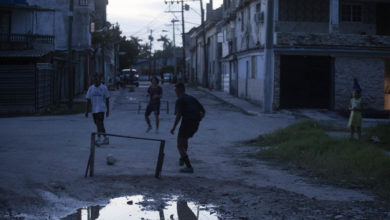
{"type": "Point", "coordinates": [98, 117]}
{"type": "Point", "coordinates": [152, 108]}
{"type": "Point", "coordinates": [188, 128]}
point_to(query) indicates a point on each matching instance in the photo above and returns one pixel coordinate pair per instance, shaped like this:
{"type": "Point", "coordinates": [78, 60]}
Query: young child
{"type": "Point", "coordinates": [355, 117]}
{"type": "Point", "coordinates": [155, 94]}
{"type": "Point", "coordinates": [98, 96]}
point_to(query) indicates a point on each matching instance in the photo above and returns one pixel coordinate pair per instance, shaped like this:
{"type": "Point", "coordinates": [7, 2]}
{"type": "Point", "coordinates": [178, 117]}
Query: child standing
{"type": "Point", "coordinates": [155, 94]}
{"type": "Point", "coordinates": [355, 117]}
{"type": "Point", "coordinates": [98, 96]}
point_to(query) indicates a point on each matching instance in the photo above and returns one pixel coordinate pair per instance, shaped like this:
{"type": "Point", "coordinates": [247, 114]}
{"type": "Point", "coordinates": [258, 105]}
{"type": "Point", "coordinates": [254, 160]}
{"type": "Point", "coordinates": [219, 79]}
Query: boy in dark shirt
{"type": "Point", "coordinates": [155, 94]}
{"type": "Point", "coordinates": [190, 112]}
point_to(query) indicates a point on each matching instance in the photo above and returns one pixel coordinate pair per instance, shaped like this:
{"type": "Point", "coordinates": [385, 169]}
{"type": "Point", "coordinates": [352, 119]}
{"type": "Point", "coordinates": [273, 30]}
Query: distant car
{"type": "Point", "coordinates": [130, 77]}
{"type": "Point", "coordinates": [167, 77]}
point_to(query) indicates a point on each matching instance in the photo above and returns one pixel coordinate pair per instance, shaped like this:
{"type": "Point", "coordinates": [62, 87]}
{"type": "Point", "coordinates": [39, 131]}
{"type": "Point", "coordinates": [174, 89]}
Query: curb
{"type": "Point", "coordinates": [226, 102]}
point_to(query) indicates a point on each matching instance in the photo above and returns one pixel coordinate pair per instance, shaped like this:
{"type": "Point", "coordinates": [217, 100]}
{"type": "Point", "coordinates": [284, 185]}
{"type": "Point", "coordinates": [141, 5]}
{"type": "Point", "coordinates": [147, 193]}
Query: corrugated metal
{"type": "Point", "coordinates": [17, 88]}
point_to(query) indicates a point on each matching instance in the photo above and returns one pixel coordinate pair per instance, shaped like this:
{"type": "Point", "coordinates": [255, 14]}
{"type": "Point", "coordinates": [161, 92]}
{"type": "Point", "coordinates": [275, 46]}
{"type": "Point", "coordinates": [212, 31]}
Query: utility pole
{"type": "Point", "coordinates": [184, 42]}
{"type": "Point", "coordinates": [183, 7]}
{"type": "Point", "coordinates": [150, 52]}
{"type": "Point", "coordinates": [174, 46]}
{"type": "Point", "coordinates": [70, 57]}
{"type": "Point", "coordinates": [205, 57]}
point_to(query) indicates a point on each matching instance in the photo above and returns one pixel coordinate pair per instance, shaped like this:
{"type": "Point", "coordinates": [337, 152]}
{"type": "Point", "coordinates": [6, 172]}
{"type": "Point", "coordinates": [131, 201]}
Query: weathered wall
{"type": "Point", "coordinates": [253, 86]}
{"type": "Point", "coordinates": [303, 27]}
{"type": "Point", "coordinates": [370, 71]}
{"type": "Point", "coordinates": [331, 40]}
{"type": "Point", "coordinates": [44, 23]}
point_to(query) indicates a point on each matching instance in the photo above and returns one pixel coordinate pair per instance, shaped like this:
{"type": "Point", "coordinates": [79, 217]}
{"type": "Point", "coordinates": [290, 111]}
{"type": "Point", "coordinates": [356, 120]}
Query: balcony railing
{"type": "Point", "coordinates": [24, 41]}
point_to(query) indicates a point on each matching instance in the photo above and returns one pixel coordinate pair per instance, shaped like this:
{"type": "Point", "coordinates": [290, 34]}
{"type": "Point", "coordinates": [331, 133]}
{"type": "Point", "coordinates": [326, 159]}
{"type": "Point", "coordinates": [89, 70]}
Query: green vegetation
{"type": "Point", "coordinates": [341, 161]}
{"type": "Point", "coordinates": [382, 131]}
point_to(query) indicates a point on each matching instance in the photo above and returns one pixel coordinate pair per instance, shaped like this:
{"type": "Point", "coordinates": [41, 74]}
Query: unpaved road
{"type": "Point", "coordinates": [43, 159]}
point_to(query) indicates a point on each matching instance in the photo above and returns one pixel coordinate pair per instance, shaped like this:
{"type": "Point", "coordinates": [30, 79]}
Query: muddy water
{"type": "Point", "coordinates": [141, 207]}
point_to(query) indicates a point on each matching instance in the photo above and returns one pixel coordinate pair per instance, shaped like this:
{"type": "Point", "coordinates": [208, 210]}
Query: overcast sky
{"type": "Point", "coordinates": [138, 17]}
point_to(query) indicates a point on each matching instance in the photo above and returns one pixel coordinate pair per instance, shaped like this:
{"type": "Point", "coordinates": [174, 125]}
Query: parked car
{"type": "Point", "coordinates": [167, 77]}
{"type": "Point", "coordinates": [130, 77]}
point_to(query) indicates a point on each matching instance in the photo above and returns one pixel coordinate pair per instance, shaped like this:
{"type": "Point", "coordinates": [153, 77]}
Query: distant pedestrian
{"type": "Point", "coordinates": [98, 96]}
{"type": "Point", "coordinates": [155, 94]}
{"type": "Point", "coordinates": [355, 117]}
{"type": "Point", "coordinates": [356, 85]}
{"type": "Point", "coordinates": [190, 112]}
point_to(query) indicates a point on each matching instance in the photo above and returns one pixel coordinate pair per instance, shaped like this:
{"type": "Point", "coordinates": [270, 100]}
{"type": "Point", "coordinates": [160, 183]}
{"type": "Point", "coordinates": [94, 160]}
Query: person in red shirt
{"type": "Point", "coordinates": [155, 95]}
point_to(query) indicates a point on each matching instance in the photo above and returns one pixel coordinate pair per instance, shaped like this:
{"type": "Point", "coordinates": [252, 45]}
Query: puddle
{"type": "Point", "coordinates": [141, 207]}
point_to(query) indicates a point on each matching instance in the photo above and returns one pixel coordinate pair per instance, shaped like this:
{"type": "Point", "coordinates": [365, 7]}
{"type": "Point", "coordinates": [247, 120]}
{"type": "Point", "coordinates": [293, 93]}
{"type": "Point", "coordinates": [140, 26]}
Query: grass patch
{"type": "Point", "coordinates": [382, 131]}
{"type": "Point", "coordinates": [340, 160]}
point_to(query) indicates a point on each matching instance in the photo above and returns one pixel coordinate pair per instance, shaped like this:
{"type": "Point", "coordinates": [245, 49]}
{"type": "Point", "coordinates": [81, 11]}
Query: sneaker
{"type": "Point", "coordinates": [105, 141]}
{"type": "Point", "coordinates": [148, 129]}
{"type": "Point", "coordinates": [181, 162]}
{"type": "Point", "coordinates": [187, 170]}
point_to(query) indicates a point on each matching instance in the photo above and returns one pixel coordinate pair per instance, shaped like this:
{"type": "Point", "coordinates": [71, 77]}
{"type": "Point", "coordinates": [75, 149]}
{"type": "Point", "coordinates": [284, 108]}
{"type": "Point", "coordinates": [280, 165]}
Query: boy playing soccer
{"type": "Point", "coordinates": [98, 96]}
{"type": "Point", "coordinates": [190, 112]}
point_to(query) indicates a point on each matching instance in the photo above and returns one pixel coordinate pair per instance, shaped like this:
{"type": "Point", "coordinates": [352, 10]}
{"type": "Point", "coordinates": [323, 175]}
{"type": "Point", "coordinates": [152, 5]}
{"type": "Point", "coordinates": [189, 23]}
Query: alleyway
{"type": "Point", "coordinates": [43, 160]}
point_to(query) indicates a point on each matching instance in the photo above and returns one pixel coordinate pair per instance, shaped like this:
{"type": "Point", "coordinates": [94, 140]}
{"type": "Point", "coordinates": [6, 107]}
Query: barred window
{"type": "Point", "coordinates": [351, 13]}
{"type": "Point", "coordinates": [83, 2]}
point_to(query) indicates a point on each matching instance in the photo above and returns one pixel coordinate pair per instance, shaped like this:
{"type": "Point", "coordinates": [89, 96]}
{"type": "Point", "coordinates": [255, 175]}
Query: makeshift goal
{"type": "Point", "coordinates": [91, 159]}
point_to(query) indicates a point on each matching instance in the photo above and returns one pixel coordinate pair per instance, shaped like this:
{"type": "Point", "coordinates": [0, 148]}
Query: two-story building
{"type": "Point", "coordinates": [306, 53]}
{"type": "Point", "coordinates": [34, 48]}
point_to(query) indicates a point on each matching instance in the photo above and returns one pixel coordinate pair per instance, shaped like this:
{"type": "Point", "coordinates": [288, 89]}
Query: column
{"type": "Point", "coordinates": [334, 16]}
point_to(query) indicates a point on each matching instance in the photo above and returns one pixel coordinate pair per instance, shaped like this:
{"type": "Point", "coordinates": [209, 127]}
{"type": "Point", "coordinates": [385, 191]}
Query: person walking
{"type": "Point", "coordinates": [155, 94]}
{"type": "Point", "coordinates": [355, 117]}
{"type": "Point", "coordinates": [98, 96]}
{"type": "Point", "coordinates": [190, 112]}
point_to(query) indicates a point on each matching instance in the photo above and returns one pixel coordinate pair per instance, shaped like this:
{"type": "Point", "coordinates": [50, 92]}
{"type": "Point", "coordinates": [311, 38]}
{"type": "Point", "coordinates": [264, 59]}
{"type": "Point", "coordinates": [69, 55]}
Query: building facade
{"type": "Point", "coordinates": [284, 54]}
{"type": "Point", "coordinates": [34, 47]}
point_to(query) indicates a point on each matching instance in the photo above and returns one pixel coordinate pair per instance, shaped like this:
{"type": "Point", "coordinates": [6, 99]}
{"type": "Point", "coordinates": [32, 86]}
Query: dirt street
{"type": "Point", "coordinates": [43, 160]}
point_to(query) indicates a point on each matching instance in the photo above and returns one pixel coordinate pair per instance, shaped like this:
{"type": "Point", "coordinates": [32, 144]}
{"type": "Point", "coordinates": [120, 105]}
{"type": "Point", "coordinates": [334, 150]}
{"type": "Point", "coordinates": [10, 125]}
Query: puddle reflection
{"type": "Point", "coordinates": [141, 207]}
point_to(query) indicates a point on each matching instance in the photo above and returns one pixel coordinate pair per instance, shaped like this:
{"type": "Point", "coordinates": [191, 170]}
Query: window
{"type": "Point", "coordinates": [258, 7]}
{"type": "Point", "coordinates": [351, 13]}
{"type": "Point", "coordinates": [83, 2]}
{"type": "Point", "coordinates": [254, 67]}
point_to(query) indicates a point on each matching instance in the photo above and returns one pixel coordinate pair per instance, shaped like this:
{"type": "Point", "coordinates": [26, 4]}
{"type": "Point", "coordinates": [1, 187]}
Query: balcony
{"type": "Point", "coordinates": [339, 41]}
{"type": "Point", "coordinates": [24, 2]}
{"type": "Point", "coordinates": [26, 41]}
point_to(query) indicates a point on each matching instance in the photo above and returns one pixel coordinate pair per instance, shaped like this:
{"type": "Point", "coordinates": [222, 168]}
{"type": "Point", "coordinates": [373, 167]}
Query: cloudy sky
{"type": "Point", "coordinates": [138, 17]}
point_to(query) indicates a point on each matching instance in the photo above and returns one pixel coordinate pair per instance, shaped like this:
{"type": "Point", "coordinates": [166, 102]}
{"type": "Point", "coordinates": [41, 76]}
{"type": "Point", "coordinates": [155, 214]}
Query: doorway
{"type": "Point", "coordinates": [305, 82]}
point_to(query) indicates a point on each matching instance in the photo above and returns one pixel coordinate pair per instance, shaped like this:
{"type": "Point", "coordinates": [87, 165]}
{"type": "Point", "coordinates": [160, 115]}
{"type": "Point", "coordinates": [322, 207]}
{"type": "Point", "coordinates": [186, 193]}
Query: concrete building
{"type": "Point", "coordinates": [213, 50]}
{"type": "Point", "coordinates": [305, 53]}
{"type": "Point", "coordinates": [34, 51]}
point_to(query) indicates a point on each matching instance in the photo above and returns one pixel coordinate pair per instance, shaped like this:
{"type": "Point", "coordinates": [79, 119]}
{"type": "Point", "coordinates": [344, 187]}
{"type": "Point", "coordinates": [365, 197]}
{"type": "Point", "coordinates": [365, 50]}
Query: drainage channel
{"type": "Point", "coordinates": [142, 207]}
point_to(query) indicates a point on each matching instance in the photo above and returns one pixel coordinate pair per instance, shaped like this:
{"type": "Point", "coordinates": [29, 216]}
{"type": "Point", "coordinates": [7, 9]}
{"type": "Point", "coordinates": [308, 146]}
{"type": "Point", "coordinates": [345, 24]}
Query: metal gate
{"type": "Point", "coordinates": [17, 88]}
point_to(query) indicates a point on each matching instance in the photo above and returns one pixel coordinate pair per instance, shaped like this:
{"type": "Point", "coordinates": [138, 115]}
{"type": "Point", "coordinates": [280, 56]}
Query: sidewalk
{"type": "Point", "coordinates": [243, 105]}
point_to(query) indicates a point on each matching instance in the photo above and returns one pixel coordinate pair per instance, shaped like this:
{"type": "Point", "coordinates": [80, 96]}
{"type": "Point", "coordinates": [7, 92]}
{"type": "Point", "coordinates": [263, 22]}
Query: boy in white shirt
{"type": "Point", "coordinates": [98, 96]}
